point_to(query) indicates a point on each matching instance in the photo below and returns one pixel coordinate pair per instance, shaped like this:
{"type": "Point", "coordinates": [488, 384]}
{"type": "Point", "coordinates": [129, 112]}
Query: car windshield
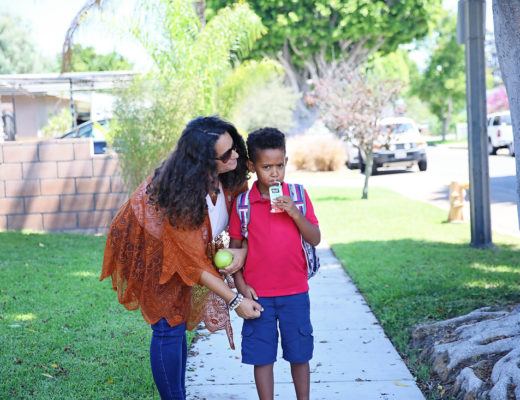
{"type": "Point", "coordinates": [506, 119]}
{"type": "Point", "coordinates": [395, 129]}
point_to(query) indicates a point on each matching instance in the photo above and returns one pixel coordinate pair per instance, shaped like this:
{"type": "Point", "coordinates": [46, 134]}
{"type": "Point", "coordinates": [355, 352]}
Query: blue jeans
{"type": "Point", "coordinates": [168, 354]}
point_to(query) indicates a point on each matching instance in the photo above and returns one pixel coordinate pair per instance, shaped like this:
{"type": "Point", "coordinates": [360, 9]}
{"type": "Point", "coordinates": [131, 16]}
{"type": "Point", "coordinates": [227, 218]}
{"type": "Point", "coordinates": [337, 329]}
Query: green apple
{"type": "Point", "coordinates": [222, 259]}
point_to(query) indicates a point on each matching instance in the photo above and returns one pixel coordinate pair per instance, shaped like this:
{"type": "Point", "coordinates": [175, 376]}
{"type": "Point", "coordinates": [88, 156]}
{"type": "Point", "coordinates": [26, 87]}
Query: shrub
{"type": "Point", "coordinates": [316, 153]}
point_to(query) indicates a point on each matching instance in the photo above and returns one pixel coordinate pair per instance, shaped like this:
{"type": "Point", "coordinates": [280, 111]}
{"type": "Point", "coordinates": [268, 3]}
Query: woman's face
{"type": "Point", "coordinates": [226, 154]}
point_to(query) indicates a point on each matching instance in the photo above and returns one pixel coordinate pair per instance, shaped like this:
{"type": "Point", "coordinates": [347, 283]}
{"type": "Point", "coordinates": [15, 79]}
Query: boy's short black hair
{"type": "Point", "coordinates": [263, 139]}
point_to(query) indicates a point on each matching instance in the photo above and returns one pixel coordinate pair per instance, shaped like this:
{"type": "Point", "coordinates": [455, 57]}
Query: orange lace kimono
{"type": "Point", "coordinates": [157, 268]}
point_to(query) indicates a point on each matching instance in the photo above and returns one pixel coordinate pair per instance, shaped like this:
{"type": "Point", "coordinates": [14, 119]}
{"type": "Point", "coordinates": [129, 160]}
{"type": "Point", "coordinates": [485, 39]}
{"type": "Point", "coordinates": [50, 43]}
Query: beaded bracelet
{"type": "Point", "coordinates": [236, 301]}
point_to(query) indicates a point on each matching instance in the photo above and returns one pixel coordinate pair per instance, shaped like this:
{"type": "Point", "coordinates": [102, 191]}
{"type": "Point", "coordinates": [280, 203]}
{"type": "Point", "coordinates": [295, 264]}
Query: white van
{"type": "Point", "coordinates": [400, 144]}
{"type": "Point", "coordinates": [500, 132]}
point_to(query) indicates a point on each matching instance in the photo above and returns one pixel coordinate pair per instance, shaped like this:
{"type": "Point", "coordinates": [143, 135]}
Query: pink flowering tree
{"type": "Point", "coordinates": [351, 103]}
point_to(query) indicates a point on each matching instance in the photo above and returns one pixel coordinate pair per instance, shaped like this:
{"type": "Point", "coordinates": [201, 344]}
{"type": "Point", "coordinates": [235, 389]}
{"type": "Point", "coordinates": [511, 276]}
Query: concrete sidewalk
{"type": "Point", "coordinates": [353, 359]}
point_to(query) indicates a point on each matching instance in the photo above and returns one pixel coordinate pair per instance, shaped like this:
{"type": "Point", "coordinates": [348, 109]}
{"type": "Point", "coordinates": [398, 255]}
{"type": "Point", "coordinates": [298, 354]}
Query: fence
{"type": "Point", "coordinates": [58, 185]}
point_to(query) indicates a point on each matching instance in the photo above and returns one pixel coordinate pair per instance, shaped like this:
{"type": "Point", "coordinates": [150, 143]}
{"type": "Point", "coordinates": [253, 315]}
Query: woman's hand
{"type": "Point", "coordinates": [239, 258]}
{"type": "Point", "coordinates": [249, 309]}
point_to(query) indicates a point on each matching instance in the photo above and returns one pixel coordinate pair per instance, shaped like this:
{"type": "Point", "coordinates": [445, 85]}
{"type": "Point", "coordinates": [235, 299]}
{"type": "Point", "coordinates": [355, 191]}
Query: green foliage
{"type": "Point", "coordinates": [17, 52]}
{"type": "Point", "coordinates": [58, 124]}
{"type": "Point", "coordinates": [245, 80]}
{"type": "Point", "coordinates": [86, 59]}
{"type": "Point", "coordinates": [306, 30]}
{"type": "Point", "coordinates": [419, 111]}
{"type": "Point", "coordinates": [442, 84]}
{"type": "Point", "coordinates": [270, 104]}
{"type": "Point", "coordinates": [192, 77]}
{"type": "Point", "coordinates": [396, 66]}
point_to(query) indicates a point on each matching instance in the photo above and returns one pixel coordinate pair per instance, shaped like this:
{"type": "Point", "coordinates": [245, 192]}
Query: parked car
{"type": "Point", "coordinates": [400, 144]}
{"type": "Point", "coordinates": [352, 155]}
{"type": "Point", "coordinates": [91, 129]}
{"type": "Point", "coordinates": [500, 132]}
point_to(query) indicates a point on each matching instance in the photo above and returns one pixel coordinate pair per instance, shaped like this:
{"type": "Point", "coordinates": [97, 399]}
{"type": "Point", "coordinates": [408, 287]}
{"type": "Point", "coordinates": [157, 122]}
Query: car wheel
{"type": "Point", "coordinates": [351, 165]}
{"type": "Point", "coordinates": [374, 169]}
{"type": "Point", "coordinates": [492, 150]}
{"type": "Point", "coordinates": [423, 165]}
{"type": "Point", "coordinates": [362, 167]}
{"type": "Point", "coordinates": [511, 149]}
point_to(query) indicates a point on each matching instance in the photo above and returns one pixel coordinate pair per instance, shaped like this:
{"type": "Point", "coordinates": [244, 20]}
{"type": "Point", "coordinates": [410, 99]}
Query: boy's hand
{"type": "Point", "coordinates": [248, 292]}
{"type": "Point", "coordinates": [249, 309]}
{"type": "Point", "coordinates": [287, 204]}
{"type": "Point", "coordinates": [239, 258]}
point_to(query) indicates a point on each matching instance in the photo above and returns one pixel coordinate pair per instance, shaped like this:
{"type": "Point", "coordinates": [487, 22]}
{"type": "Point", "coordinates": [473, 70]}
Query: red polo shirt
{"type": "Point", "coordinates": [275, 264]}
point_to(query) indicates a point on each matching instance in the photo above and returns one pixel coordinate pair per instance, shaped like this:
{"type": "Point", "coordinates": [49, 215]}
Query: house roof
{"type": "Point", "coordinates": [60, 84]}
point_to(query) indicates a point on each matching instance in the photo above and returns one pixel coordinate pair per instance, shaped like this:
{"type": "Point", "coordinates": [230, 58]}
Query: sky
{"type": "Point", "coordinates": [50, 19]}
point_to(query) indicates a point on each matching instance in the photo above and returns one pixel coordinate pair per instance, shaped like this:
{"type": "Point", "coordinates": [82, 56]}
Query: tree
{"type": "Point", "coordinates": [86, 59]}
{"type": "Point", "coordinates": [442, 85]}
{"type": "Point", "coordinates": [506, 14]}
{"type": "Point", "coordinates": [17, 52]}
{"type": "Point", "coordinates": [196, 72]}
{"type": "Point", "coordinates": [351, 103]}
{"type": "Point", "coordinates": [395, 66]}
{"type": "Point", "coordinates": [307, 35]}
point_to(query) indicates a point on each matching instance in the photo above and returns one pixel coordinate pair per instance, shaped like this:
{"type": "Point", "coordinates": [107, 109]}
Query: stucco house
{"type": "Point", "coordinates": [29, 100]}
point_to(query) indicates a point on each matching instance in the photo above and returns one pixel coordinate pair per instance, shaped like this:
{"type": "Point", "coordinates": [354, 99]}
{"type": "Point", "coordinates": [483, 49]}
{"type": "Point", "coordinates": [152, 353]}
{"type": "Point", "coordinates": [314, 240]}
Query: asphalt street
{"type": "Point", "coordinates": [451, 164]}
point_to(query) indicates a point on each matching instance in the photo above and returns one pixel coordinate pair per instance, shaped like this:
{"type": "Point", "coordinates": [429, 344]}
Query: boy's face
{"type": "Point", "coordinates": [269, 166]}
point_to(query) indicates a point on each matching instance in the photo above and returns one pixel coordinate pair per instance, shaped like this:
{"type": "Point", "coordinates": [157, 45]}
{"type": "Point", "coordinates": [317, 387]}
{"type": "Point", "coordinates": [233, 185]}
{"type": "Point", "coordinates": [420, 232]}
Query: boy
{"type": "Point", "coordinates": [275, 272]}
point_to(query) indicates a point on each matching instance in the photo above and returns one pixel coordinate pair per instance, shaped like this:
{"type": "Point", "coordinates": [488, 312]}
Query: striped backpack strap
{"type": "Point", "coordinates": [297, 194]}
{"type": "Point", "coordinates": [311, 257]}
{"type": "Point", "coordinates": [243, 211]}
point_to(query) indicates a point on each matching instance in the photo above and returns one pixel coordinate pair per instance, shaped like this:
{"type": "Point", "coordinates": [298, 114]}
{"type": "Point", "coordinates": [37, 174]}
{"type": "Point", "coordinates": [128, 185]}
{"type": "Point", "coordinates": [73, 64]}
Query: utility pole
{"type": "Point", "coordinates": [471, 33]}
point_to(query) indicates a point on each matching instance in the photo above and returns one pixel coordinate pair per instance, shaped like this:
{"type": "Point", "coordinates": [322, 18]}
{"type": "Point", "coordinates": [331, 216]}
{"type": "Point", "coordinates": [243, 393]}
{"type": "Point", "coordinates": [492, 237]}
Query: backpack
{"type": "Point", "coordinates": [297, 194]}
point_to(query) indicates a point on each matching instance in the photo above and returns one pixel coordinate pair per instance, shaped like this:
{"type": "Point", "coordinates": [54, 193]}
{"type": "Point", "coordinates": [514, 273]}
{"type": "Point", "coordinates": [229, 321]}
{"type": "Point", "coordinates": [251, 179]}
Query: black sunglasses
{"type": "Point", "coordinates": [227, 155]}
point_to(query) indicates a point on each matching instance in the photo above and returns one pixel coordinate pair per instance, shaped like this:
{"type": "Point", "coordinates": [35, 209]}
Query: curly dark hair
{"type": "Point", "coordinates": [180, 185]}
{"type": "Point", "coordinates": [264, 138]}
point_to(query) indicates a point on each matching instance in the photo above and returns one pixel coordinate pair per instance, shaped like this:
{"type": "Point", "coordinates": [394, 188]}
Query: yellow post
{"type": "Point", "coordinates": [457, 193]}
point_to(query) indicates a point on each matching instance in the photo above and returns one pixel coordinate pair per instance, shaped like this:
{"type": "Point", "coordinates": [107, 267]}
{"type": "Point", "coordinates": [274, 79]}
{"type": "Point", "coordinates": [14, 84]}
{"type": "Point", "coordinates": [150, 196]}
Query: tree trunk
{"type": "Point", "coordinates": [475, 356]}
{"type": "Point", "coordinates": [444, 126]}
{"type": "Point", "coordinates": [448, 115]}
{"type": "Point", "coordinates": [506, 17]}
{"type": "Point", "coordinates": [369, 161]}
{"type": "Point", "coordinates": [66, 53]}
{"type": "Point", "coordinates": [200, 8]}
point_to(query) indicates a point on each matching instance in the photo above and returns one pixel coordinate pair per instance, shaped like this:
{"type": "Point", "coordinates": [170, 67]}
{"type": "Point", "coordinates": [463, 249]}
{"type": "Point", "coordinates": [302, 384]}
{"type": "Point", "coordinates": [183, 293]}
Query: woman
{"type": "Point", "coordinates": [161, 243]}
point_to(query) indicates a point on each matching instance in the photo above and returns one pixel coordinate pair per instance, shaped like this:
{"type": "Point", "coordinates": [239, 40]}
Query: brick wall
{"type": "Point", "coordinates": [58, 185]}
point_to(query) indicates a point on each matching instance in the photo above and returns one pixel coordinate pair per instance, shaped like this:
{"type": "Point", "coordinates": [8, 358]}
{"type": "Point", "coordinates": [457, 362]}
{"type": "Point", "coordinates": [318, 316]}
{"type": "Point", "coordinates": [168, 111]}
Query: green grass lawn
{"type": "Point", "coordinates": [410, 265]}
{"type": "Point", "coordinates": [64, 335]}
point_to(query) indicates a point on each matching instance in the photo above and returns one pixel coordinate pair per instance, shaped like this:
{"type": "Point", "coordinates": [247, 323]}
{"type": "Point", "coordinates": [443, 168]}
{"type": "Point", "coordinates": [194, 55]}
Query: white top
{"type": "Point", "coordinates": [218, 215]}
